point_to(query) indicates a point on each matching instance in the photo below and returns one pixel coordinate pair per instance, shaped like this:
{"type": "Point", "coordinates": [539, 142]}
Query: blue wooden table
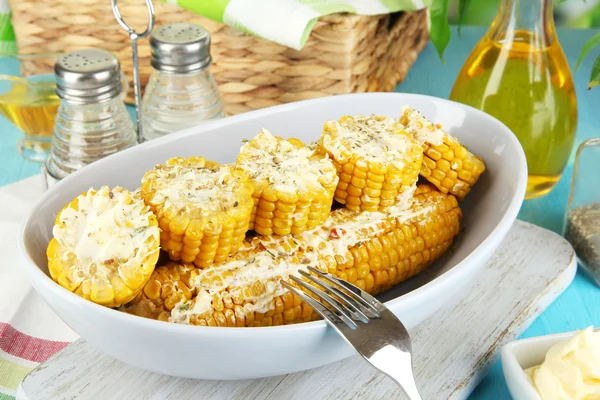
{"type": "Point", "coordinates": [576, 308]}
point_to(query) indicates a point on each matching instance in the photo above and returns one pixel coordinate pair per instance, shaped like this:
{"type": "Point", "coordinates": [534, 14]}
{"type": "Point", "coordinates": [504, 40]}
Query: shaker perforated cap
{"type": "Point", "coordinates": [87, 76]}
{"type": "Point", "coordinates": [181, 47]}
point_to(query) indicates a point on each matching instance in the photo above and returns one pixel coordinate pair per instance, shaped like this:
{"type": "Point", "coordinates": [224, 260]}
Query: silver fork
{"type": "Point", "coordinates": [364, 322]}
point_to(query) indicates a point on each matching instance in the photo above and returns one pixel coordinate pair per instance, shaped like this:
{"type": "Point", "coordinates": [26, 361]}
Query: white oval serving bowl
{"type": "Point", "coordinates": [240, 353]}
{"type": "Point", "coordinates": [519, 355]}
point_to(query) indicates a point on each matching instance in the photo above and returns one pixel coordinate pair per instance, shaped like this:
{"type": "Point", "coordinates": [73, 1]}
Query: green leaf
{"type": "Point", "coordinates": [462, 11]}
{"type": "Point", "coordinates": [440, 29]}
{"type": "Point", "coordinates": [595, 75]}
{"type": "Point", "coordinates": [589, 45]}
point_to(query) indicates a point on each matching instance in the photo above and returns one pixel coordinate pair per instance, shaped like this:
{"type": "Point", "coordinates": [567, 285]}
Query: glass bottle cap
{"type": "Point", "coordinates": [180, 47]}
{"type": "Point", "coordinates": [87, 76]}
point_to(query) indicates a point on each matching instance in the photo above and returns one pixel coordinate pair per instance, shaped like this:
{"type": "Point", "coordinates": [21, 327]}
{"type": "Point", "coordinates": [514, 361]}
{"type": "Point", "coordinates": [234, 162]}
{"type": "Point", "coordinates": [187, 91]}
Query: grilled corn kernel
{"type": "Point", "coordinates": [293, 186]}
{"type": "Point", "coordinates": [447, 164]}
{"type": "Point", "coordinates": [169, 285]}
{"type": "Point", "coordinates": [203, 208]}
{"type": "Point", "coordinates": [105, 246]}
{"type": "Point", "coordinates": [375, 158]}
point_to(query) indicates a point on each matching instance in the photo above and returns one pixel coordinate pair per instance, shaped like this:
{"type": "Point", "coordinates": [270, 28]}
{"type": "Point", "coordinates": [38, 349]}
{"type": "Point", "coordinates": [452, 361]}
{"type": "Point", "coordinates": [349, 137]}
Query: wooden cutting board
{"type": "Point", "coordinates": [452, 349]}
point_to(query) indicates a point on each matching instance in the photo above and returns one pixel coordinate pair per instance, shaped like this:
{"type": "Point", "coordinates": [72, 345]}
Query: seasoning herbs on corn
{"type": "Point", "coordinates": [375, 158]}
{"type": "Point", "coordinates": [203, 208]}
{"type": "Point", "coordinates": [293, 185]}
{"type": "Point", "coordinates": [105, 246]}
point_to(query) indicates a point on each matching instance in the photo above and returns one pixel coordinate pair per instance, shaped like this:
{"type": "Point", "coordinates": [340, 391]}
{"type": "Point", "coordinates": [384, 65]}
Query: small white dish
{"type": "Point", "coordinates": [519, 355]}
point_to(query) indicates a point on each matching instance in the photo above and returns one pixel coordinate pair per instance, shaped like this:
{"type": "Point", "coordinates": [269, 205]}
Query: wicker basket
{"type": "Point", "coordinates": [345, 53]}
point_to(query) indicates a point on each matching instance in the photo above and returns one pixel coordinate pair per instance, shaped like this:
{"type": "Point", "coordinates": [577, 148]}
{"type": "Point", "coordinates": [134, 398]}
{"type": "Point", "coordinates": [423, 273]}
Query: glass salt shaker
{"type": "Point", "coordinates": [92, 121]}
{"type": "Point", "coordinates": [582, 219]}
{"type": "Point", "coordinates": [181, 91]}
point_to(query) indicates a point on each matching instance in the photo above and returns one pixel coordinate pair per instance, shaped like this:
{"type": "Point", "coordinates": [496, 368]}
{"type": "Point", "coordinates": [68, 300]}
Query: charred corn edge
{"type": "Point", "coordinates": [447, 164]}
{"type": "Point", "coordinates": [169, 284]}
{"type": "Point", "coordinates": [205, 240]}
{"type": "Point", "coordinates": [56, 267]}
{"type": "Point", "coordinates": [370, 273]}
{"type": "Point", "coordinates": [371, 186]}
{"type": "Point", "coordinates": [443, 168]}
{"type": "Point", "coordinates": [278, 212]}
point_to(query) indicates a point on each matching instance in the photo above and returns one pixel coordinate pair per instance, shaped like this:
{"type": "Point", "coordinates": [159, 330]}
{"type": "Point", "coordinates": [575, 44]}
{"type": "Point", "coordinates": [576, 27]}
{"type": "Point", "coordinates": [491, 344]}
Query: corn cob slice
{"type": "Point", "coordinates": [375, 159]}
{"type": "Point", "coordinates": [293, 186]}
{"type": "Point", "coordinates": [446, 163]}
{"type": "Point", "coordinates": [105, 246]}
{"type": "Point", "coordinates": [372, 250]}
{"type": "Point", "coordinates": [203, 209]}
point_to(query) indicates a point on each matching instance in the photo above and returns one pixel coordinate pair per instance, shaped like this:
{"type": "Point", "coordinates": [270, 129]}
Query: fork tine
{"type": "Point", "coordinates": [357, 294]}
{"type": "Point", "coordinates": [339, 307]}
{"type": "Point", "coordinates": [318, 307]}
{"type": "Point", "coordinates": [358, 309]}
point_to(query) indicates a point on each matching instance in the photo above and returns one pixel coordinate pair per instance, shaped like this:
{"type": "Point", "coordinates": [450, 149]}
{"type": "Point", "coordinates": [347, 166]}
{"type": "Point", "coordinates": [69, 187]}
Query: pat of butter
{"type": "Point", "coordinates": [571, 370]}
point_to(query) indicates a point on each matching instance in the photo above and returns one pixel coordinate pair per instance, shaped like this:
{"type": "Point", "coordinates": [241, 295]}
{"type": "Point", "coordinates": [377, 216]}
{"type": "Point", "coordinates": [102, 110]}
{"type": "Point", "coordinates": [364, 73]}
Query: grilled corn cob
{"type": "Point", "coordinates": [386, 250]}
{"type": "Point", "coordinates": [203, 209]}
{"type": "Point", "coordinates": [375, 158]}
{"type": "Point", "coordinates": [293, 186]}
{"type": "Point", "coordinates": [371, 250]}
{"type": "Point", "coordinates": [105, 246]}
{"type": "Point", "coordinates": [446, 163]}
{"type": "Point", "coordinates": [253, 303]}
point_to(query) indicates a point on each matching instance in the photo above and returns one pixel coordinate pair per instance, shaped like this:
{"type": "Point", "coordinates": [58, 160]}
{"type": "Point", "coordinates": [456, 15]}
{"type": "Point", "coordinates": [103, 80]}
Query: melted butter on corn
{"type": "Point", "coordinates": [109, 228]}
{"type": "Point", "coordinates": [421, 128]}
{"type": "Point", "coordinates": [184, 187]}
{"type": "Point", "coordinates": [375, 139]}
{"type": "Point", "coordinates": [286, 167]}
{"type": "Point", "coordinates": [284, 256]}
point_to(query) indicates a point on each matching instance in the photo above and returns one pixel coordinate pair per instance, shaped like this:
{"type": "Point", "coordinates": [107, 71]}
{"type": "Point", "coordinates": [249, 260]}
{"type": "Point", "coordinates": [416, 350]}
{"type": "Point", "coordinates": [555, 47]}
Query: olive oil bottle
{"type": "Point", "coordinates": [519, 74]}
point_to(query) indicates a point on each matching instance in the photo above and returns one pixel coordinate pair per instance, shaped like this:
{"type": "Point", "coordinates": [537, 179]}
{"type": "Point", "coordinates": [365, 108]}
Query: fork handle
{"type": "Point", "coordinates": [397, 364]}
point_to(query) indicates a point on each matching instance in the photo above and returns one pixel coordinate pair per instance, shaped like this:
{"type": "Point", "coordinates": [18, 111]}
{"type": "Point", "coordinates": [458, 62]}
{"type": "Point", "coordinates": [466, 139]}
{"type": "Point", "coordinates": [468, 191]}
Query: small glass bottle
{"type": "Point", "coordinates": [181, 91]}
{"type": "Point", "coordinates": [582, 219]}
{"type": "Point", "coordinates": [92, 121]}
{"type": "Point", "coordinates": [519, 74]}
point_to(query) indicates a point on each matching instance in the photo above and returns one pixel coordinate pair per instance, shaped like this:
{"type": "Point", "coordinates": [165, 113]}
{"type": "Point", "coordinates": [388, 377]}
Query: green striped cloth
{"type": "Point", "coordinates": [7, 35]}
{"type": "Point", "coordinates": [289, 22]}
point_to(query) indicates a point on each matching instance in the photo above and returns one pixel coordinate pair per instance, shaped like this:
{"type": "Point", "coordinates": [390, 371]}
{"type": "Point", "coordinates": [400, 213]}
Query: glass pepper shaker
{"type": "Point", "coordinates": [92, 121]}
{"type": "Point", "coordinates": [181, 91]}
{"type": "Point", "coordinates": [582, 219]}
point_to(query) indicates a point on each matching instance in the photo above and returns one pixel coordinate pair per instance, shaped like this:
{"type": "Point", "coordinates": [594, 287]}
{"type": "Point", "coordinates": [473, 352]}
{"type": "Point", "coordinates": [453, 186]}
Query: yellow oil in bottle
{"type": "Point", "coordinates": [529, 88]}
{"type": "Point", "coordinates": [31, 107]}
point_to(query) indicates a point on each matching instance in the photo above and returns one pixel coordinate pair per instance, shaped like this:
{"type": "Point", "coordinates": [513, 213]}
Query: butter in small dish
{"type": "Point", "coordinates": [554, 367]}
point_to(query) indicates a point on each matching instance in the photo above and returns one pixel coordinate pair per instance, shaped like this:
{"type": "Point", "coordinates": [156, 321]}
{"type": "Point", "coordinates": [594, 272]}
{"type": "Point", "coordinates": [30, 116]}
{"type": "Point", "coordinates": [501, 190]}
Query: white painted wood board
{"type": "Point", "coordinates": [452, 349]}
